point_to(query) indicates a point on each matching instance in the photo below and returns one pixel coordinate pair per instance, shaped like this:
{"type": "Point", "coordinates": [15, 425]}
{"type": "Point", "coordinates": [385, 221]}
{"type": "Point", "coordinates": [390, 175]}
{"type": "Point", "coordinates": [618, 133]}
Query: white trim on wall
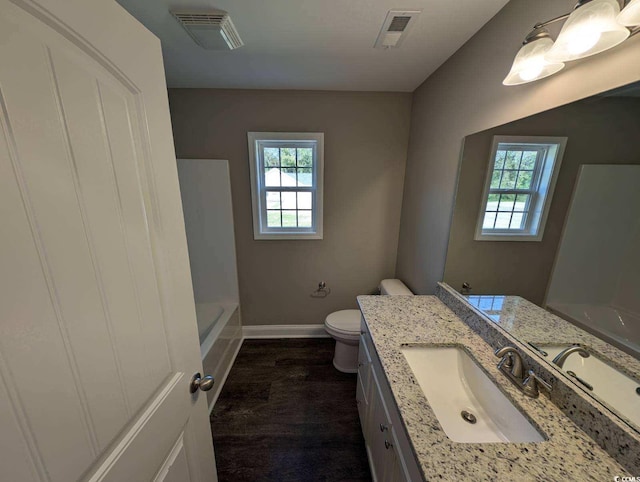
{"type": "Point", "coordinates": [544, 188]}
{"type": "Point", "coordinates": [315, 140]}
{"type": "Point", "coordinates": [284, 331]}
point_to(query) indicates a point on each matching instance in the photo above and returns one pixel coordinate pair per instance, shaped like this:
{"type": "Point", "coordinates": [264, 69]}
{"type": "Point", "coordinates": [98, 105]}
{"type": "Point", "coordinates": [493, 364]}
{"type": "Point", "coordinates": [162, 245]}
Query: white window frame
{"type": "Point", "coordinates": [541, 194]}
{"type": "Point", "coordinates": [259, 191]}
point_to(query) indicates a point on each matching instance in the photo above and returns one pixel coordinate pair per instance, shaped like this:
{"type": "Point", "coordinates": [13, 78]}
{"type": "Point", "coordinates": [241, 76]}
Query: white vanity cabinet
{"type": "Point", "coordinates": [390, 455]}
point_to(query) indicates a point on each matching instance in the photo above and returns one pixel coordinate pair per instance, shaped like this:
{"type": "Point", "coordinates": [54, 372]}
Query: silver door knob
{"type": "Point", "coordinates": [205, 384]}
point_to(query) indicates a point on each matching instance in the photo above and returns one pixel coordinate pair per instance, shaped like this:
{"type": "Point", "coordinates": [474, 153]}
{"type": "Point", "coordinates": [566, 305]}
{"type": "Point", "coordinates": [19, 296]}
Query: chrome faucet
{"type": "Point", "coordinates": [511, 362]}
{"type": "Point", "coordinates": [511, 365]}
{"type": "Point", "coordinates": [564, 354]}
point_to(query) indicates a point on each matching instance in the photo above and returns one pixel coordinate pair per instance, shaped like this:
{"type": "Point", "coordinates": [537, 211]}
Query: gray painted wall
{"type": "Point", "coordinates": [366, 138]}
{"type": "Point", "coordinates": [465, 95]}
{"type": "Point", "coordinates": [599, 131]}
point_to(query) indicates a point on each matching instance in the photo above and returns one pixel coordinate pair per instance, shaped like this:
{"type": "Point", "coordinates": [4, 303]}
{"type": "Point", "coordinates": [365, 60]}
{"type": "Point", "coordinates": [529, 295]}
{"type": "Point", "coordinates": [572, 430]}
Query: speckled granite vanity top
{"type": "Point", "coordinates": [567, 454]}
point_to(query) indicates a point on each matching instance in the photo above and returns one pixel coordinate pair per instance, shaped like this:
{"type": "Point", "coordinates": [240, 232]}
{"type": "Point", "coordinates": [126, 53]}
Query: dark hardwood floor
{"type": "Point", "coordinates": [286, 414]}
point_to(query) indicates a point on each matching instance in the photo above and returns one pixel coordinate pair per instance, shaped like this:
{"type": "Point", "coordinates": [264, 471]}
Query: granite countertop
{"type": "Point", "coordinates": [530, 323]}
{"type": "Point", "coordinates": [567, 454]}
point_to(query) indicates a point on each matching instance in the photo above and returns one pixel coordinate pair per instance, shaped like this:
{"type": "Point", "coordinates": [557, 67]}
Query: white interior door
{"type": "Point", "coordinates": [98, 336]}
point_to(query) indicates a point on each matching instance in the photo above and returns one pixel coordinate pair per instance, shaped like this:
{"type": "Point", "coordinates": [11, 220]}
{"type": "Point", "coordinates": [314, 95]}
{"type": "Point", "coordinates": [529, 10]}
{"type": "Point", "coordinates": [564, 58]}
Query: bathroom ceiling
{"type": "Point", "coordinates": [313, 45]}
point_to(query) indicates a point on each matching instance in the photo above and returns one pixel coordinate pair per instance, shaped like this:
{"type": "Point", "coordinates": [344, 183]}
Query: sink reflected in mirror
{"type": "Point", "coordinates": [546, 334]}
{"type": "Point", "coordinates": [466, 402]}
{"type": "Point", "coordinates": [611, 385]}
{"type": "Point", "coordinates": [569, 243]}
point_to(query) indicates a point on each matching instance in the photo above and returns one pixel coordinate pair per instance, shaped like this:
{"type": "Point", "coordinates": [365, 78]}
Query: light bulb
{"type": "Point", "coordinates": [582, 41]}
{"type": "Point", "coordinates": [530, 63]}
{"type": "Point", "coordinates": [533, 69]}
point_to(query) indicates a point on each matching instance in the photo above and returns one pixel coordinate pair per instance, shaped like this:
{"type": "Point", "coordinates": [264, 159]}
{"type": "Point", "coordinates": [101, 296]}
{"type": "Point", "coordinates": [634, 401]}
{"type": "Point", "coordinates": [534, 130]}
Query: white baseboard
{"type": "Point", "coordinates": [284, 331]}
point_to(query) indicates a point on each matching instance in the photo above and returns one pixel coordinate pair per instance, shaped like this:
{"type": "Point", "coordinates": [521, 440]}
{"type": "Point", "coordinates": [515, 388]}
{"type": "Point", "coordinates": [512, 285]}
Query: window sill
{"type": "Point", "coordinates": [508, 237]}
{"type": "Point", "coordinates": [285, 236]}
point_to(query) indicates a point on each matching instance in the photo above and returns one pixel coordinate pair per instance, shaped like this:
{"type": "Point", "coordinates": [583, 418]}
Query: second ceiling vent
{"type": "Point", "coordinates": [211, 30]}
{"type": "Point", "coordinates": [395, 28]}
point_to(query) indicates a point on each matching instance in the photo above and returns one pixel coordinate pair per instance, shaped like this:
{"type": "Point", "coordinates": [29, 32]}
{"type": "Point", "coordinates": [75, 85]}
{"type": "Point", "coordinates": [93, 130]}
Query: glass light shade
{"type": "Point", "coordinates": [530, 63]}
{"type": "Point", "coordinates": [630, 15]}
{"type": "Point", "coordinates": [590, 29]}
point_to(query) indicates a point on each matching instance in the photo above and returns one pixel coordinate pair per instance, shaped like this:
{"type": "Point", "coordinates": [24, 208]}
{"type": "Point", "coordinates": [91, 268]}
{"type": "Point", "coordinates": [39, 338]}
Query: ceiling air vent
{"type": "Point", "coordinates": [395, 28]}
{"type": "Point", "coordinates": [211, 30]}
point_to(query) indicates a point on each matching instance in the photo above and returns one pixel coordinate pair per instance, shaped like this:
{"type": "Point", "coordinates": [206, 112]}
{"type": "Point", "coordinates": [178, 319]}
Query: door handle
{"type": "Point", "coordinates": [205, 384]}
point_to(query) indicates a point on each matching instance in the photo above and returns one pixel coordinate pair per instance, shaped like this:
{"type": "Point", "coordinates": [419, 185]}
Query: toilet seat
{"type": "Point", "coordinates": [344, 323]}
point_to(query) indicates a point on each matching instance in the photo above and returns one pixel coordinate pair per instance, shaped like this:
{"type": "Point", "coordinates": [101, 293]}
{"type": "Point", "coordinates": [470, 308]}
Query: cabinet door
{"type": "Point", "coordinates": [379, 431]}
{"type": "Point", "coordinates": [394, 465]}
{"type": "Point", "coordinates": [364, 366]}
{"type": "Point", "coordinates": [363, 408]}
{"type": "Point", "coordinates": [363, 389]}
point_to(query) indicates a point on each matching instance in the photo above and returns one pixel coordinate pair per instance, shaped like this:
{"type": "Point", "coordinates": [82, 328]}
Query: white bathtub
{"type": "Point", "coordinates": [618, 327]}
{"type": "Point", "coordinates": [220, 332]}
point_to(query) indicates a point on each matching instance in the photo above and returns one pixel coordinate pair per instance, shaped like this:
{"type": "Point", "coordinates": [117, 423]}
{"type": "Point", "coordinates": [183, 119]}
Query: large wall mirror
{"type": "Point", "coordinates": [547, 221]}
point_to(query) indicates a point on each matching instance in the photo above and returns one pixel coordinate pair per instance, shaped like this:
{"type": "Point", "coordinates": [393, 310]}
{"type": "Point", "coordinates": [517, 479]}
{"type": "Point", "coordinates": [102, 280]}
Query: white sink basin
{"type": "Point", "coordinates": [453, 383]}
{"type": "Point", "coordinates": [610, 385]}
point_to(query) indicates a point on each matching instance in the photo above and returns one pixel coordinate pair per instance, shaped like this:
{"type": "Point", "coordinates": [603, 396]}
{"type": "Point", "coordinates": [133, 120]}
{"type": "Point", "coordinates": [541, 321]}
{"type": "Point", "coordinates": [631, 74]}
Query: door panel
{"type": "Point", "coordinates": [176, 466]}
{"type": "Point", "coordinates": [98, 339]}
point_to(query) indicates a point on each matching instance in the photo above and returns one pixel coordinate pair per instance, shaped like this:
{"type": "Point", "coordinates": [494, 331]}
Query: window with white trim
{"type": "Point", "coordinates": [286, 184]}
{"type": "Point", "coordinates": [518, 189]}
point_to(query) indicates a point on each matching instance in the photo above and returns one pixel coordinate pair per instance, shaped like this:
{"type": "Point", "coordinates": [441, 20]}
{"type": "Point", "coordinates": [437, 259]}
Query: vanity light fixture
{"type": "Point", "coordinates": [630, 15]}
{"type": "Point", "coordinates": [530, 63]}
{"type": "Point", "coordinates": [590, 29]}
{"type": "Point", "coordinates": [593, 27]}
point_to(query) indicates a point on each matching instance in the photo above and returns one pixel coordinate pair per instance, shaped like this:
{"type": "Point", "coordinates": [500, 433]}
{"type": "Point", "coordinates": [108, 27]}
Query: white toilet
{"type": "Point", "coordinates": [344, 327]}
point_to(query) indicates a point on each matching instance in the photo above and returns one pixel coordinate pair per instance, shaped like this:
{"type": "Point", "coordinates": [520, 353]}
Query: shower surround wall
{"type": "Point", "coordinates": [595, 278]}
{"type": "Point", "coordinates": [206, 202]}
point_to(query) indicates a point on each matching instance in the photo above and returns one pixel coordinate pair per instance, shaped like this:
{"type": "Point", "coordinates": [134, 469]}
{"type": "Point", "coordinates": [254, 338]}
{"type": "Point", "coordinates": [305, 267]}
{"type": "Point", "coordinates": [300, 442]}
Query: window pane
{"type": "Point", "coordinates": [492, 202]}
{"type": "Point", "coordinates": [273, 219]}
{"type": "Point", "coordinates": [304, 219]}
{"type": "Point", "coordinates": [506, 202]}
{"type": "Point", "coordinates": [305, 157]}
{"type": "Point", "coordinates": [508, 179]}
{"type": "Point", "coordinates": [529, 160]}
{"type": "Point", "coordinates": [495, 179]}
{"type": "Point", "coordinates": [500, 155]}
{"type": "Point", "coordinates": [521, 202]}
{"type": "Point", "coordinates": [503, 220]}
{"type": "Point", "coordinates": [288, 157]}
{"type": "Point", "coordinates": [524, 180]}
{"type": "Point", "coordinates": [289, 219]}
{"type": "Point", "coordinates": [288, 200]}
{"type": "Point", "coordinates": [489, 219]}
{"type": "Point", "coordinates": [305, 177]}
{"type": "Point", "coordinates": [289, 176]}
{"type": "Point", "coordinates": [271, 176]}
{"type": "Point", "coordinates": [304, 200]}
{"type": "Point", "coordinates": [273, 200]}
{"type": "Point", "coordinates": [271, 157]}
{"type": "Point", "coordinates": [513, 160]}
{"type": "Point", "coordinates": [516, 221]}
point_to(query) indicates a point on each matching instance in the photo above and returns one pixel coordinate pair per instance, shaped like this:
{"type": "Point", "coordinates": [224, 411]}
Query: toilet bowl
{"type": "Point", "coordinates": [344, 327]}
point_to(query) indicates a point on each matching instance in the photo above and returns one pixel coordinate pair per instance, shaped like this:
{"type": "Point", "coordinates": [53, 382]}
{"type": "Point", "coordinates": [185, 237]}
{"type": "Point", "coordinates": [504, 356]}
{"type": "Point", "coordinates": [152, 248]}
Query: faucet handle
{"type": "Point", "coordinates": [532, 383]}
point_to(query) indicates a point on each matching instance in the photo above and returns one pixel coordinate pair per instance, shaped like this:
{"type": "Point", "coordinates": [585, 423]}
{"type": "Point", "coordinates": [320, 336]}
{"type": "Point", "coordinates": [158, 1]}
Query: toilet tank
{"type": "Point", "coordinates": [394, 287]}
